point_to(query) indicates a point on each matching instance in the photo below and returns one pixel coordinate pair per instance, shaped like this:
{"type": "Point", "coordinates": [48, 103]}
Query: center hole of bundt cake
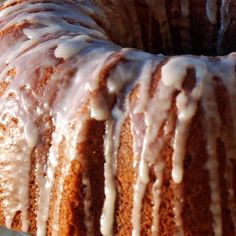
{"type": "Point", "coordinates": [173, 27]}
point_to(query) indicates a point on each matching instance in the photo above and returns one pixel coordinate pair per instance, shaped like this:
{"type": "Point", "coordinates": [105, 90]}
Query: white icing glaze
{"type": "Point", "coordinates": [211, 9]}
{"type": "Point", "coordinates": [226, 70]}
{"type": "Point", "coordinates": [211, 124]}
{"type": "Point", "coordinates": [31, 134]}
{"type": "Point", "coordinates": [156, 192]}
{"type": "Point", "coordinates": [71, 140]}
{"type": "Point", "coordinates": [230, 84]}
{"type": "Point", "coordinates": [82, 47]}
{"type": "Point", "coordinates": [110, 189]}
{"type": "Point", "coordinates": [66, 47]}
{"type": "Point", "coordinates": [112, 138]}
{"type": "Point", "coordinates": [145, 157]}
{"type": "Point", "coordinates": [98, 106]}
{"type": "Point", "coordinates": [15, 197]}
{"type": "Point", "coordinates": [126, 76]}
{"type": "Point", "coordinates": [69, 48]}
{"type": "Point", "coordinates": [186, 104]}
{"type": "Point", "coordinates": [89, 218]}
{"type": "Point", "coordinates": [185, 7]}
{"type": "Point", "coordinates": [66, 116]}
{"type": "Point", "coordinates": [173, 75]}
{"type": "Point", "coordinates": [224, 22]}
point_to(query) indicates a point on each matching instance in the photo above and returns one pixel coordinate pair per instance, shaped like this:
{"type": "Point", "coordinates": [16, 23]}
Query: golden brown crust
{"type": "Point", "coordinates": [125, 180]}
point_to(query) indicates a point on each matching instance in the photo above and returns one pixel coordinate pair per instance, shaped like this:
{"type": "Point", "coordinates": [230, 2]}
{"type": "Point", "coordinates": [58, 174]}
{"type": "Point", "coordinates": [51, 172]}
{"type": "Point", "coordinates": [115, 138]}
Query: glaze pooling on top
{"type": "Point", "coordinates": [65, 34]}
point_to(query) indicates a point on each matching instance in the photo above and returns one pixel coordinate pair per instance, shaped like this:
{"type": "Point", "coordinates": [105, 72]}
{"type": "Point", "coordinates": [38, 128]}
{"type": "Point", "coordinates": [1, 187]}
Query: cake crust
{"type": "Point", "coordinates": [98, 138]}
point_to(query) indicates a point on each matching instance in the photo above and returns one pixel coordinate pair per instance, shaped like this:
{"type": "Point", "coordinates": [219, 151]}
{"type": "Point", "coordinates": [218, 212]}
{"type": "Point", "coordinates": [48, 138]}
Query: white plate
{"type": "Point", "coordinates": [6, 232]}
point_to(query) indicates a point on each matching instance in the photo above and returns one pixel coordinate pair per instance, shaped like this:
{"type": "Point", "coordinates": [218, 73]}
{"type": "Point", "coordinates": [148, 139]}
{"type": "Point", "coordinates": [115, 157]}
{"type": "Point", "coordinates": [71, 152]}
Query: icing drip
{"type": "Point", "coordinates": [185, 7]}
{"type": "Point", "coordinates": [126, 76]}
{"type": "Point", "coordinates": [81, 47]}
{"type": "Point", "coordinates": [230, 84]}
{"type": "Point", "coordinates": [16, 147]}
{"type": "Point", "coordinates": [111, 145]}
{"type": "Point", "coordinates": [21, 108]}
{"type": "Point", "coordinates": [98, 107]}
{"type": "Point", "coordinates": [156, 192]}
{"type": "Point", "coordinates": [71, 139]}
{"type": "Point", "coordinates": [44, 197]}
{"type": "Point", "coordinates": [211, 9]}
{"type": "Point", "coordinates": [110, 189]}
{"type": "Point", "coordinates": [226, 134]}
{"type": "Point", "coordinates": [67, 115]}
{"type": "Point", "coordinates": [71, 46]}
{"type": "Point", "coordinates": [157, 186]}
{"type": "Point", "coordinates": [89, 219]}
{"type": "Point", "coordinates": [145, 157]}
{"type": "Point", "coordinates": [224, 22]}
{"type": "Point", "coordinates": [112, 138]}
{"type": "Point", "coordinates": [211, 123]}
{"type": "Point", "coordinates": [186, 104]}
{"type": "Point", "coordinates": [44, 27]}
{"type": "Point", "coordinates": [133, 110]}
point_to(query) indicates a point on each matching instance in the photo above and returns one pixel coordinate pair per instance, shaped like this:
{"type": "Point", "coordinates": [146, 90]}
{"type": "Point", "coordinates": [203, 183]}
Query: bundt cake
{"type": "Point", "coordinates": [99, 138]}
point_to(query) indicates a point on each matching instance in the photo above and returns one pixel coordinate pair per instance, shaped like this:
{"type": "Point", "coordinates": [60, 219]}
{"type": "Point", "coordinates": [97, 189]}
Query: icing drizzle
{"type": "Point", "coordinates": [68, 38]}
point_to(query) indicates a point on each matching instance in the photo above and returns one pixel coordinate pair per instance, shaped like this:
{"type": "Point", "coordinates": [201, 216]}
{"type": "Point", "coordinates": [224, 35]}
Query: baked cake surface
{"type": "Point", "coordinates": [98, 138]}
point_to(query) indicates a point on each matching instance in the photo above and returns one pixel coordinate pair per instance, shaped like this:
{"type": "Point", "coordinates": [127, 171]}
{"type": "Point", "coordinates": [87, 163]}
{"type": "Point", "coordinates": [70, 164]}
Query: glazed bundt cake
{"type": "Point", "coordinates": [99, 138]}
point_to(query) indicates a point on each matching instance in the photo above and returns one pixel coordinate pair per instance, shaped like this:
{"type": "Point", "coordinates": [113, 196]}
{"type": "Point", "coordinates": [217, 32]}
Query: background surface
{"type": "Point", "coordinates": [6, 232]}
